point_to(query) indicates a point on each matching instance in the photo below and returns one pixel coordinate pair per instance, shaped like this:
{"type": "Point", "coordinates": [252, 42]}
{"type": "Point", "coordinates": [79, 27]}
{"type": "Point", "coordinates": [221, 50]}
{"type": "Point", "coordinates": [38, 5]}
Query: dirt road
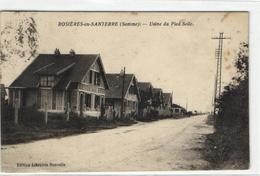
{"type": "Point", "coordinates": [165, 145]}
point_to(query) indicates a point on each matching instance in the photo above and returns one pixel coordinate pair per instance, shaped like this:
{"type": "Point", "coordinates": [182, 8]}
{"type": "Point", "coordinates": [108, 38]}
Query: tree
{"type": "Point", "coordinates": [19, 38]}
{"type": "Point", "coordinates": [233, 104]}
{"type": "Point", "coordinates": [229, 144]}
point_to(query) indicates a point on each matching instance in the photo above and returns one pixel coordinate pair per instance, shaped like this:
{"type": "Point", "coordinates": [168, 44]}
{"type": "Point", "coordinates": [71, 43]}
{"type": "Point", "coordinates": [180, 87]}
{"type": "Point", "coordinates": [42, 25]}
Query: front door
{"type": "Point", "coordinates": [46, 98]}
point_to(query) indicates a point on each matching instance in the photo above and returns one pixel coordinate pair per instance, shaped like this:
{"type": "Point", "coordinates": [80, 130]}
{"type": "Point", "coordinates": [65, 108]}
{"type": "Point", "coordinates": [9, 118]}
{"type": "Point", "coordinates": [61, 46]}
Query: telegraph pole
{"type": "Point", "coordinates": [218, 55]}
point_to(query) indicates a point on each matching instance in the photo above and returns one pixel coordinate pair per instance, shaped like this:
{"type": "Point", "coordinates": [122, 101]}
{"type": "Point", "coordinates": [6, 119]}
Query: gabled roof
{"type": "Point", "coordinates": [144, 85]}
{"type": "Point", "coordinates": [55, 69]}
{"type": "Point", "coordinates": [157, 90]}
{"type": "Point", "coordinates": [74, 67]}
{"type": "Point", "coordinates": [177, 106]}
{"type": "Point", "coordinates": [115, 83]}
{"type": "Point", "coordinates": [145, 91]}
{"type": "Point", "coordinates": [167, 97]}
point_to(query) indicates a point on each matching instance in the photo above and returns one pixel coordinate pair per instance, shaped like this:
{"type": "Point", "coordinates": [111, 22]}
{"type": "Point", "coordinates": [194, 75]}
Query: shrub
{"type": "Point", "coordinates": [230, 142]}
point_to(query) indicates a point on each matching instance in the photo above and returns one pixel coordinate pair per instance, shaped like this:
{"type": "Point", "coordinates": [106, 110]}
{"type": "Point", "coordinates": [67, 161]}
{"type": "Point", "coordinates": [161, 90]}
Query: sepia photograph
{"type": "Point", "coordinates": [124, 91]}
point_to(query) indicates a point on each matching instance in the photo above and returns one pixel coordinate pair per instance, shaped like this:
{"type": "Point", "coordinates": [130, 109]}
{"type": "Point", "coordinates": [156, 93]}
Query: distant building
{"type": "Point", "coordinates": [157, 102]}
{"type": "Point", "coordinates": [129, 95]}
{"type": "Point", "coordinates": [157, 98]}
{"type": "Point", "coordinates": [55, 81]}
{"type": "Point", "coordinates": [178, 110]}
{"type": "Point", "coordinates": [167, 104]}
{"type": "Point", "coordinates": [146, 94]}
{"type": "Point", "coordinates": [167, 100]}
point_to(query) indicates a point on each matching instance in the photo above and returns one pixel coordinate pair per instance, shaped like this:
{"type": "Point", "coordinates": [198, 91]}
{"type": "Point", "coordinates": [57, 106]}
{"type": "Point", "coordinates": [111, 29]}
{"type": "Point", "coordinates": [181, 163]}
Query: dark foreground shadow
{"type": "Point", "coordinates": [56, 128]}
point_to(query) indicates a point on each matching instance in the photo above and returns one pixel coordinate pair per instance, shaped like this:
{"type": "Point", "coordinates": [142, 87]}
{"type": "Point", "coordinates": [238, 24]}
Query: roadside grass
{"type": "Point", "coordinates": [210, 120]}
{"type": "Point", "coordinates": [152, 118]}
{"type": "Point", "coordinates": [227, 148]}
{"type": "Point", "coordinates": [32, 127]}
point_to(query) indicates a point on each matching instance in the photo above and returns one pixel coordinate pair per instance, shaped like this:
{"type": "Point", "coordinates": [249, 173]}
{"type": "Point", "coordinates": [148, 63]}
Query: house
{"type": "Point", "coordinates": [167, 104]}
{"type": "Point", "coordinates": [146, 94]}
{"type": "Point", "coordinates": [178, 110]}
{"type": "Point", "coordinates": [157, 102]}
{"type": "Point", "coordinates": [122, 91]}
{"type": "Point", "coordinates": [157, 98]}
{"type": "Point", "coordinates": [167, 100]}
{"type": "Point", "coordinates": [58, 81]}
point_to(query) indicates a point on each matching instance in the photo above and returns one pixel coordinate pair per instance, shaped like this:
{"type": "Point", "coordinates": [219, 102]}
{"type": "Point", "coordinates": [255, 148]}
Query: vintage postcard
{"type": "Point", "coordinates": [124, 91]}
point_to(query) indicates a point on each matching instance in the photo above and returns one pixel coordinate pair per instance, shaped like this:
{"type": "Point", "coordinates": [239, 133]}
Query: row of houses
{"type": "Point", "coordinates": [78, 83]}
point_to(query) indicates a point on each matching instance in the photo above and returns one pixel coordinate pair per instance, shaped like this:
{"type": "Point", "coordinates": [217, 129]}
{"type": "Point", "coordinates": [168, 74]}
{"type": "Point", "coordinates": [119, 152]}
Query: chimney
{"type": "Point", "coordinates": [57, 52]}
{"type": "Point", "coordinates": [72, 52]}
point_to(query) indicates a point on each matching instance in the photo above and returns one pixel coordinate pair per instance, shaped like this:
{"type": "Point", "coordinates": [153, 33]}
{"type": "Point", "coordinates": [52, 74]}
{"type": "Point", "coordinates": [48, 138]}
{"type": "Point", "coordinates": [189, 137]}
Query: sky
{"type": "Point", "coordinates": [178, 59]}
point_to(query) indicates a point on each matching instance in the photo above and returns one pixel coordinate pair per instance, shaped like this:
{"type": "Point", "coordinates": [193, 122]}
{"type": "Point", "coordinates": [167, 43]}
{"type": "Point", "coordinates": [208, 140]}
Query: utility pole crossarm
{"type": "Point", "coordinates": [221, 38]}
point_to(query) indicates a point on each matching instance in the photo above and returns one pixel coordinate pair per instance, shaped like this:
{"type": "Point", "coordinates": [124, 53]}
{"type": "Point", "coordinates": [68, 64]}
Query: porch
{"type": "Point", "coordinates": [80, 102]}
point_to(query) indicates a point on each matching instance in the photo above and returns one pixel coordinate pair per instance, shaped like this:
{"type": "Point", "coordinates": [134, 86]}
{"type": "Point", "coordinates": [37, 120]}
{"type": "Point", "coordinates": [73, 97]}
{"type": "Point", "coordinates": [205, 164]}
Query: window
{"type": "Point", "coordinates": [47, 81]}
{"type": "Point", "coordinates": [96, 78]}
{"type": "Point", "coordinates": [102, 100]}
{"type": "Point", "coordinates": [50, 81]}
{"type": "Point", "coordinates": [90, 76]}
{"type": "Point", "coordinates": [88, 100]}
{"type": "Point", "coordinates": [97, 101]}
{"type": "Point", "coordinates": [132, 90]}
{"type": "Point", "coordinates": [44, 81]}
